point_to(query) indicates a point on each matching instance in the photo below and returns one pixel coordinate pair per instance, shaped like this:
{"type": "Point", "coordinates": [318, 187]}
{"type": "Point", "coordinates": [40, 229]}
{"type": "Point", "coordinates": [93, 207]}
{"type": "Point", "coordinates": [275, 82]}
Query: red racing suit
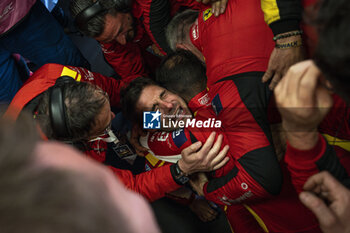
{"type": "Point", "coordinates": [136, 58]}
{"type": "Point", "coordinates": [168, 146]}
{"type": "Point", "coordinates": [236, 42]}
{"type": "Point", "coordinates": [153, 184]}
{"type": "Point", "coordinates": [331, 153]}
{"type": "Point", "coordinates": [240, 101]}
{"type": "Point", "coordinates": [237, 96]}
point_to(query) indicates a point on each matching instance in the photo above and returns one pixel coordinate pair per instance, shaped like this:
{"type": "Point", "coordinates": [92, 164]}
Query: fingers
{"type": "Point", "coordinates": [216, 147]}
{"type": "Point", "coordinates": [308, 83]}
{"type": "Point", "coordinates": [219, 7]}
{"type": "Point", "coordinates": [208, 143]}
{"type": "Point", "coordinates": [140, 150]}
{"type": "Point", "coordinates": [289, 86]}
{"type": "Point", "coordinates": [221, 159]}
{"type": "Point", "coordinates": [268, 74]}
{"type": "Point", "coordinates": [276, 78]}
{"type": "Point", "coordinates": [318, 207]}
{"type": "Point", "coordinates": [203, 1]}
{"type": "Point", "coordinates": [191, 149]}
{"type": "Point", "coordinates": [325, 182]}
{"type": "Point", "coordinates": [223, 4]}
{"type": "Point", "coordinates": [211, 214]}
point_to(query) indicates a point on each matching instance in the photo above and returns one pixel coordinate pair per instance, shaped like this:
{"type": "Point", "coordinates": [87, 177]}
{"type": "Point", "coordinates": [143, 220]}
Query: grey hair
{"type": "Point", "coordinates": [178, 28]}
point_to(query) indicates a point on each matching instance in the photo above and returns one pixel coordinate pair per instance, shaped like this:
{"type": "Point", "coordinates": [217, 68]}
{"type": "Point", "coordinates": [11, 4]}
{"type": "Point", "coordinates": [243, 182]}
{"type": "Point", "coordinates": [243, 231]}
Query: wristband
{"type": "Point", "coordinates": [286, 35]}
{"type": "Point", "coordinates": [289, 45]}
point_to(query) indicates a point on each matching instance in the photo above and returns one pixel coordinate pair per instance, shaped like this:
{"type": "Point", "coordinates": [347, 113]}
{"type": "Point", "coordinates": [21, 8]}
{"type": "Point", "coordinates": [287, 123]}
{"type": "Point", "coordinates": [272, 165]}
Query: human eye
{"type": "Point", "coordinates": [163, 94]}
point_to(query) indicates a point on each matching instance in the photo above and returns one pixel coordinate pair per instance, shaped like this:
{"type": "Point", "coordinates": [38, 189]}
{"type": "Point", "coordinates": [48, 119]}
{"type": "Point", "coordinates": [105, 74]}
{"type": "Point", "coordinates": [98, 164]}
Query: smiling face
{"type": "Point", "coordinates": [156, 98]}
{"type": "Point", "coordinates": [118, 28]}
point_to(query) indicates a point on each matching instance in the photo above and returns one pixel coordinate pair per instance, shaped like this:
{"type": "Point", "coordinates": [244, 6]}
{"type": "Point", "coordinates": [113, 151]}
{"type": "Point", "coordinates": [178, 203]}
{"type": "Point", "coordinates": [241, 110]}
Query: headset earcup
{"type": "Point", "coordinates": [57, 107]}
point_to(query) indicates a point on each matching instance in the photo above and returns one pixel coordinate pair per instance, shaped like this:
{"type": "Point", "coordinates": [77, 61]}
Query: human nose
{"type": "Point", "coordinates": [122, 39]}
{"type": "Point", "coordinates": [167, 106]}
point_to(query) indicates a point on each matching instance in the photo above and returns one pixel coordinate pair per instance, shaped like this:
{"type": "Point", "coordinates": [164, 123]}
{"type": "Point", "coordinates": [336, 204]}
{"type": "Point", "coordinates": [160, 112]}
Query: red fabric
{"type": "Point", "coordinates": [236, 42]}
{"type": "Point", "coordinates": [301, 164]}
{"type": "Point", "coordinates": [151, 184]}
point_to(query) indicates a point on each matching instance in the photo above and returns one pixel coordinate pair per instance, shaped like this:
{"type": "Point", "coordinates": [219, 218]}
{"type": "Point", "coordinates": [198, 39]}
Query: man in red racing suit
{"type": "Point", "coordinates": [236, 93]}
{"type": "Point", "coordinates": [153, 184]}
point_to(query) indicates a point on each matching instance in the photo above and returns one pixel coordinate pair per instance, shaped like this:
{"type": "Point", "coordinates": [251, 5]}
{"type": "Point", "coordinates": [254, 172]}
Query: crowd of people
{"type": "Point", "coordinates": [251, 99]}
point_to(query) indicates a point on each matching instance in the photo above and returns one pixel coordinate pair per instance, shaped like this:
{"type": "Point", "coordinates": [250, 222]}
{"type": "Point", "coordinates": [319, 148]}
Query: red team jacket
{"type": "Point", "coordinates": [152, 185]}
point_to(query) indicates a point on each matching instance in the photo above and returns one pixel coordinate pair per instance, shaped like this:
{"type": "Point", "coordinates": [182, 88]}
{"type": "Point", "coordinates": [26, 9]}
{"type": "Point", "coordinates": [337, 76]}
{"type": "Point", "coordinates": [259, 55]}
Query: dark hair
{"type": "Point", "coordinates": [131, 95]}
{"type": "Point", "coordinates": [178, 29]}
{"type": "Point", "coordinates": [182, 73]}
{"type": "Point", "coordinates": [332, 54]}
{"type": "Point", "coordinates": [96, 24]}
{"type": "Point", "coordinates": [48, 199]}
{"type": "Point", "coordinates": [83, 105]}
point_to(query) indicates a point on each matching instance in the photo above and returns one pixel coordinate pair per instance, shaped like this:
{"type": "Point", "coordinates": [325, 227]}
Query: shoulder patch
{"type": "Point", "coordinates": [204, 100]}
{"type": "Point", "coordinates": [216, 104]}
{"type": "Point", "coordinates": [179, 137]}
{"type": "Point", "coordinates": [207, 14]}
{"type": "Point", "coordinates": [147, 167]}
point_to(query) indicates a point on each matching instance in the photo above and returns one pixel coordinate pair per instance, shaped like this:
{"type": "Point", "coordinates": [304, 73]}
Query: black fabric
{"type": "Point", "coordinates": [346, 183]}
{"type": "Point", "coordinates": [261, 164]}
{"type": "Point", "coordinates": [257, 163]}
{"type": "Point", "coordinates": [330, 162]}
{"type": "Point", "coordinates": [255, 96]}
{"type": "Point", "coordinates": [159, 19]}
{"type": "Point", "coordinates": [193, 138]}
{"type": "Point", "coordinates": [219, 182]}
{"type": "Point", "coordinates": [284, 26]}
{"type": "Point", "coordinates": [290, 12]}
{"type": "Point", "coordinates": [115, 161]}
{"type": "Point", "coordinates": [246, 74]}
{"type": "Point", "coordinates": [176, 218]}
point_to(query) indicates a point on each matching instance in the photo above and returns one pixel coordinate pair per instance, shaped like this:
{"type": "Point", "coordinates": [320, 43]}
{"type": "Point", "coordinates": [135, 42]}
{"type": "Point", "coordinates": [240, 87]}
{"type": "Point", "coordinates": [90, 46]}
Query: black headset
{"type": "Point", "coordinates": [57, 108]}
{"type": "Point", "coordinates": [82, 19]}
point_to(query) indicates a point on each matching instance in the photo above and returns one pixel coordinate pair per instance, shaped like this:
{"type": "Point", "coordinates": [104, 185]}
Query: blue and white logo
{"type": "Point", "coordinates": [151, 120]}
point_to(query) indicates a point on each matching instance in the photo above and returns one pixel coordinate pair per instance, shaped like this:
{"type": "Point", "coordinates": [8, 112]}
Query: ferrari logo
{"type": "Point", "coordinates": [207, 14]}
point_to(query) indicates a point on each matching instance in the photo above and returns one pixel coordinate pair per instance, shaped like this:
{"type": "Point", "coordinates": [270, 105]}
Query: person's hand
{"type": "Point", "coordinates": [303, 102]}
{"type": "Point", "coordinates": [136, 132]}
{"type": "Point", "coordinates": [208, 158]}
{"type": "Point", "coordinates": [197, 182]}
{"type": "Point", "coordinates": [218, 7]}
{"type": "Point", "coordinates": [282, 59]}
{"type": "Point", "coordinates": [334, 217]}
{"type": "Point", "coordinates": [156, 50]}
{"type": "Point", "coordinates": [203, 210]}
